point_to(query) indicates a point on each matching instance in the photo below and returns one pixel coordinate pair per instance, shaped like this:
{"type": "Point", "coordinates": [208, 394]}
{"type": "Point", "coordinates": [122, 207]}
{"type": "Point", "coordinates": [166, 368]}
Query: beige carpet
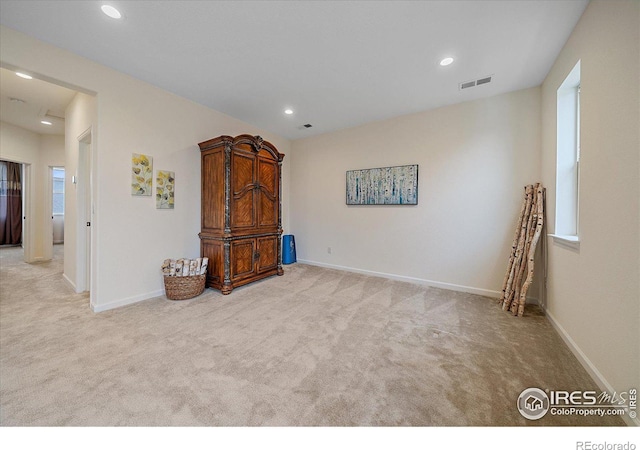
{"type": "Point", "coordinates": [315, 347]}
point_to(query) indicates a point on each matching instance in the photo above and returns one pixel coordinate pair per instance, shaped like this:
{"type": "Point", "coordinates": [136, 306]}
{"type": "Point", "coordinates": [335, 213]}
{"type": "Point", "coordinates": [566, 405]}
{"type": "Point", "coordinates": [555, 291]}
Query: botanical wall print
{"type": "Point", "coordinates": [384, 186]}
{"type": "Point", "coordinates": [141, 174]}
{"type": "Point", "coordinates": [165, 188]}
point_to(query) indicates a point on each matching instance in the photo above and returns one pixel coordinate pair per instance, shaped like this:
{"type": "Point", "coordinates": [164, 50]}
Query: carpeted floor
{"type": "Point", "coordinates": [315, 347]}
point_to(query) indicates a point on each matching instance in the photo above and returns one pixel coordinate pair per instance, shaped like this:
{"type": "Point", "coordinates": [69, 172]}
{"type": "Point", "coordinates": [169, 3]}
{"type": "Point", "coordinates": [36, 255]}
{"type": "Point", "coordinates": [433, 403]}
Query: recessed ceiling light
{"type": "Point", "coordinates": [288, 111]}
{"type": "Point", "coordinates": [111, 11]}
{"type": "Point", "coordinates": [44, 122]}
{"type": "Point", "coordinates": [24, 75]}
{"type": "Point", "coordinates": [446, 61]}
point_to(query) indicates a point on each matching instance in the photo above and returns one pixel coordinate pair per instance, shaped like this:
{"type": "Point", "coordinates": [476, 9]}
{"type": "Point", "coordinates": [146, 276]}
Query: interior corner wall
{"type": "Point", "coordinates": [474, 160]}
{"type": "Point", "coordinates": [40, 152]}
{"type": "Point", "coordinates": [80, 116]}
{"type": "Point", "coordinates": [594, 294]}
{"type": "Point", "coordinates": [52, 154]}
{"type": "Point", "coordinates": [132, 237]}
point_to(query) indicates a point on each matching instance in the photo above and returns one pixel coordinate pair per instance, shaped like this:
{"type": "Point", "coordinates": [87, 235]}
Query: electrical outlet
{"type": "Point", "coordinates": [329, 250]}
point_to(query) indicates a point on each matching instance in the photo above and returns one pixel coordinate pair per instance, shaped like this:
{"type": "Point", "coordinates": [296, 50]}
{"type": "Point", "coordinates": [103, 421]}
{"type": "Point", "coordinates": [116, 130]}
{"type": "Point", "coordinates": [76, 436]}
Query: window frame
{"type": "Point", "coordinates": [568, 154]}
{"type": "Point", "coordinates": [54, 192]}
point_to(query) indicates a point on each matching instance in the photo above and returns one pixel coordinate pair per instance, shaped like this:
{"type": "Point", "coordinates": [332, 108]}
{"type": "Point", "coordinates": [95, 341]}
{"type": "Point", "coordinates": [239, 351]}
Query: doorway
{"type": "Point", "coordinates": [11, 203]}
{"type": "Point", "coordinates": [42, 106]}
{"type": "Point", "coordinates": [57, 204]}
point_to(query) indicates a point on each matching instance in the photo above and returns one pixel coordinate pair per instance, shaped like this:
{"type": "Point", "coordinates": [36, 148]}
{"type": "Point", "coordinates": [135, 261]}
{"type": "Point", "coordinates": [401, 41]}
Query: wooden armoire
{"type": "Point", "coordinates": [241, 211]}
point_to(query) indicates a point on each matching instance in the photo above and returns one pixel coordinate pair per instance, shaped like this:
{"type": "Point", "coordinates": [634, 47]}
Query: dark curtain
{"type": "Point", "coordinates": [10, 203]}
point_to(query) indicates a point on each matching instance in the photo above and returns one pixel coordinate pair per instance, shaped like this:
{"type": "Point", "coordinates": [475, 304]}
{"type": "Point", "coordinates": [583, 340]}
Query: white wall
{"type": "Point", "coordinates": [132, 237]}
{"type": "Point", "coordinates": [474, 160]}
{"type": "Point", "coordinates": [594, 294]}
{"type": "Point", "coordinates": [40, 152]}
{"type": "Point", "coordinates": [51, 154]}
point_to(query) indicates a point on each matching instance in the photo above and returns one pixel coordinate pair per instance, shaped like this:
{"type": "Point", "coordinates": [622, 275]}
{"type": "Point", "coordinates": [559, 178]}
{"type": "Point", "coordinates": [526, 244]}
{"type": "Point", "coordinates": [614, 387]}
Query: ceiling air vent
{"type": "Point", "coordinates": [55, 114]}
{"type": "Point", "coordinates": [478, 82]}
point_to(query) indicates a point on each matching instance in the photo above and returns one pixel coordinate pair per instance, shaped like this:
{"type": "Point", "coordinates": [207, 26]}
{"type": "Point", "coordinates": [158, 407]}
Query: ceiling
{"type": "Point", "coordinates": [336, 64]}
{"type": "Point", "coordinates": [25, 103]}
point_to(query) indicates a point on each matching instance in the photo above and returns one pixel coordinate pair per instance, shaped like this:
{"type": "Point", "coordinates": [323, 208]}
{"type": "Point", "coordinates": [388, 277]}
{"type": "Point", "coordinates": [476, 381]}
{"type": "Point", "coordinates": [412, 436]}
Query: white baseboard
{"type": "Point", "coordinates": [68, 280]}
{"type": "Point", "coordinates": [587, 364]}
{"type": "Point", "coordinates": [127, 301]}
{"type": "Point", "coordinates": [436, 284]}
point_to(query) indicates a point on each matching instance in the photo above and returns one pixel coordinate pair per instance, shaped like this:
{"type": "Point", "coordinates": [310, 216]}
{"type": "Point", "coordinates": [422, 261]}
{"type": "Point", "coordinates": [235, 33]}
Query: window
{"type": "Point", "coordinates": [568, 161]}
{"type": "Point", "coordinates": [3, 179]}
{"type": "Point", "coordinates": [58, 191]}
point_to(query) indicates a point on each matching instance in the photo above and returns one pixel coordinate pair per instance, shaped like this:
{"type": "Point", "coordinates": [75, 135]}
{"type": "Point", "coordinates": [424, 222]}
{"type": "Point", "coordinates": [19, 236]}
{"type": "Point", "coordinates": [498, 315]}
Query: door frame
{"type": "Point", "coordinates": [28, 213]}
{"type": "Point", "coordinates": [48, 224]}
{"type": "Point", "coordinates": [50, 204]}
{"type": "Point", "coordinates": [84, 204]}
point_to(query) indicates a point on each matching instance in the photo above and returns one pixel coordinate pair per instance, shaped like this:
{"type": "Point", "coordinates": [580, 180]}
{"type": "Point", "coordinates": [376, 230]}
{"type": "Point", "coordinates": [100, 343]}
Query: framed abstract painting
{"type": "Point", "coordinates": [141, 174]}
{"type": "Point", "coordinates": [396, 185]}
{"type": "Point", "coordinates": [165, 189]}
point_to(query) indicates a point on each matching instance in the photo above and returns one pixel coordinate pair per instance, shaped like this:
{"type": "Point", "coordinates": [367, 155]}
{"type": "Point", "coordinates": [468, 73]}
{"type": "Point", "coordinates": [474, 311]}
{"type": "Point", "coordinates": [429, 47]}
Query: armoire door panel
{"type": "Point", "coordinates": [268, 195]}
{"type": "Point", "coordinates": [243, 213]}
{"type": "Point", "coordinates": [268, 175]}
{"type": "Point", "coordinates": [268, 211]}
{"type": "Point", "coordinates": [242, 170]}
{"type": "Point", "coordinates": [242, 258]}
{"type": "Point", "coordinates": [268, 253]}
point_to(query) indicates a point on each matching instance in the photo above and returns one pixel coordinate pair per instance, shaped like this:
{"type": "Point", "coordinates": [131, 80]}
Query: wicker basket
{"type": "Point", "coordinates": [182, 288]}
